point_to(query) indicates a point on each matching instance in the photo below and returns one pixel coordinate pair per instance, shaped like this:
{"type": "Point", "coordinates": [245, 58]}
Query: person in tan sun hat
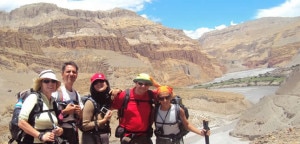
{"type": "Point", "coordinates": [135, 111]}
{"type": "Point", "coordinates": [42, 131]}
{"type": "Point", "coordinates": [166, 123]}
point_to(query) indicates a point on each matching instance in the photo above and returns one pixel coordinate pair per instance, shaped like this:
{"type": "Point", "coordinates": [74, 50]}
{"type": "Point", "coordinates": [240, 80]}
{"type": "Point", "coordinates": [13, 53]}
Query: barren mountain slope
{"type": "Point", "coordinates": [118, 30]}
{"type": "Point", "coordinates": [273, 113]}
{"type": "Point", "coordinates": [265, 42]}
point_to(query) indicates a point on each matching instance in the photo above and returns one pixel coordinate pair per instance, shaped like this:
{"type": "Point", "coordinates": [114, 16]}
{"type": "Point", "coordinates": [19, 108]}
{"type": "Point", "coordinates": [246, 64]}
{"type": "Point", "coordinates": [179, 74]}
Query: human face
{"type": "Point", "coordinates": [142, 87]}
{"type": "Point", "coordinates": [48, 86]}
{"type": "Point", "coordinates": [165, 101]}
{"type": "Point", "coordinates": [69, 75]}
{"type": "Point", "coordinates": [164, 98]}
{"type": "Point", "coordinates": [143, 84]}
{"type": "Point", "coordinates": [100, 85]}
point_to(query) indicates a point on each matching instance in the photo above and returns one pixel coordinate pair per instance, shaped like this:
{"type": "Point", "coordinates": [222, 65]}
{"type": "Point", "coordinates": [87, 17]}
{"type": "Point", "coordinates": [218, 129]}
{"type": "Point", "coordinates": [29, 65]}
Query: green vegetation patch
{"type": "Point", "coordinates": [260, 80]}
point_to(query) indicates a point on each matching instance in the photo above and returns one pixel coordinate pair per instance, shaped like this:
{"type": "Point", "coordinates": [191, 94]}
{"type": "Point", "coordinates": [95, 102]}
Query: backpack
{"type": "Point", "coordinates": [17, 134]}
{"type": "Point", "coordinates": [126, 100]}
{"type": "Point", "coordinates": [121, 131]}
{"type": "Point", "coordinates": [97, 110]}
{"type": "Point", "coordinates": [177, 100]}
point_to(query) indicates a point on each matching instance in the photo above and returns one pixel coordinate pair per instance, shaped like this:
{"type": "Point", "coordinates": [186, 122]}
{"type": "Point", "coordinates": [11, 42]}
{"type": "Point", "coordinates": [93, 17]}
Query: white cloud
{"type": "Point", "coordinates": [220, 27]}
{"type": "Point", "coordinates": [197, 33]}
{"type": "Point", "coordinates": [200, 31]}
{"type": "Point", "coordinates": [232, 23]}
{"type": "Point", "coordinates": [291, 8]}
{"type": "Point", "coordinates": [155, 19]}
{"type": "Point", "coordinates": [93, 5]}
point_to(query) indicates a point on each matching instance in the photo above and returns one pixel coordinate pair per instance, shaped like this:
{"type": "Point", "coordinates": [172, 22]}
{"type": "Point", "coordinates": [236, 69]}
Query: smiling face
{"type": "Point", "coordinates": [69, 75]}
{"type": "Point", "coordinates": [100, 85]}
{"type": "Point", "coordinates": [141, 87]}
{"type": "Point", "coordinates": [48, 86]}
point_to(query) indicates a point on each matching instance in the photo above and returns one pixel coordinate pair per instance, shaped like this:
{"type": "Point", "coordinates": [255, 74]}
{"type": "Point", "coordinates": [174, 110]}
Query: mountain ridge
{"type": "Point", "coordinates": [118, 30]}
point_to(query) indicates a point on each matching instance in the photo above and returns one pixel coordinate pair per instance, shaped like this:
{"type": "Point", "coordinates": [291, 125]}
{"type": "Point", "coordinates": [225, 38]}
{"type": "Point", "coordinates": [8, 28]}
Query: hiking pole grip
{"type": "Point", "coordinates": [205, 126]}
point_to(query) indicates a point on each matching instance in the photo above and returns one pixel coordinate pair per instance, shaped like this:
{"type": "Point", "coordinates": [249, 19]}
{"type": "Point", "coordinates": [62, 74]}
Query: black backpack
{"type": "Point", "coordinates": [177, 100]}
{"type": "Point", "coordinates": [18, 134]}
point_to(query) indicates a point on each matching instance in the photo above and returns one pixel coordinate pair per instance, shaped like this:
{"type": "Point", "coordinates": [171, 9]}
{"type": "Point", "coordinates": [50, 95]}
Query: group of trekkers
{"type": "Point", "coordinates": [136, 111]}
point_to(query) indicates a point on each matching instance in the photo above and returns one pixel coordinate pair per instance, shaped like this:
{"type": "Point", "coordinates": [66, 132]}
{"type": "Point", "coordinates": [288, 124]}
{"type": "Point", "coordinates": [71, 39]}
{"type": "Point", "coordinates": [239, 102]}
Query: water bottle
{"type": "Point", "coordinates": [19, 104]}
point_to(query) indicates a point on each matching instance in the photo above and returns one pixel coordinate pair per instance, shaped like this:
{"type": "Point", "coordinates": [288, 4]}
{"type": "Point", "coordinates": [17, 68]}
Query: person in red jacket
{"type": "Point", "coordinates": [135, 122]}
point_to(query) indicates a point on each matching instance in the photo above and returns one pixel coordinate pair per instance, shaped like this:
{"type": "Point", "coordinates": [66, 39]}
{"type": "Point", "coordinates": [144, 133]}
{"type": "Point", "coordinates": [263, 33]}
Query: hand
{"type": "Point", "coordinates": [69, 109]}
{"type": "Point", "coordinates": [115, 92]}
{"type": "Point", "coordinates": [58, 131]}
{"type": "Point", "coordinates": [205, 132]}
{"type": "Point", "coordinates": [108, 115]}
{"type": "Point", "coordinates": [48, 136]}
{"type": "Point", "coordinates": [77, 109]}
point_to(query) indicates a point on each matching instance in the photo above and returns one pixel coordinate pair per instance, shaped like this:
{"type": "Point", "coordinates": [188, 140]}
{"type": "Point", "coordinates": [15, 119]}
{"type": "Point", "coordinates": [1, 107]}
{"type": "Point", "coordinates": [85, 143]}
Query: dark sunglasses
{"type": "Point", "coordinates": [163, 98]}
{"type": "Point", "coordinates": [145, 84]}
{"type": "Point", "coordinates": [48, 80]}
{"type": "Point", "coordinates": [99, 81]}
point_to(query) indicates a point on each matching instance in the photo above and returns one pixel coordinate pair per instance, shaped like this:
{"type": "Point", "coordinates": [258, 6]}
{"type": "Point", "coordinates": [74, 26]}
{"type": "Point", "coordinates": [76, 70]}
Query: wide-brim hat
{"type": "Point", "coordinates": [144, 78]}
{"type": "Point", "coordinates": [50, 75]}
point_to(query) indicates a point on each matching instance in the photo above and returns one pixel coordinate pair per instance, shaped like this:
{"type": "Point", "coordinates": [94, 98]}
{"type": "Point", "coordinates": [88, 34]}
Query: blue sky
{"type": "Point", "coordinates": [195, 17]}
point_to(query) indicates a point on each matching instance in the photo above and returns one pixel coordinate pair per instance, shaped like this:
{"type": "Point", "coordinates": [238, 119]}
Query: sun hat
{"type": "Point", "coordinates": [43, 75]}
{"type": "Point", "coordinates": [165, 90]}
{"type": "Point", "coordinates": [47, 74]}
{"type": "Point", "coordinates": [98, 76]}
{"type": "Point", "coordinates": [143, 77]}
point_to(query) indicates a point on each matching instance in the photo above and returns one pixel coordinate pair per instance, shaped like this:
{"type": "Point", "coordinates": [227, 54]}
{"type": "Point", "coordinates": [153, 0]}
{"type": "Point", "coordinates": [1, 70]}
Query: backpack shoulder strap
{"type": "Point", "coordinates": [151, 95]}
{"type": "Point", "coordinates": [126, 99]}
{"type": "Point", "coordinates": [37, 109]}
{"type": "Point", "coordinates": [156, 113]}
{"type": "Point", "coordinates": [177, 108]}
{"type": "Point", "coordinates": [96, 106]}
{"type": "Point", "coordinates": [125, 103]}
{"type": "Point", "coordinates": [60, 96]}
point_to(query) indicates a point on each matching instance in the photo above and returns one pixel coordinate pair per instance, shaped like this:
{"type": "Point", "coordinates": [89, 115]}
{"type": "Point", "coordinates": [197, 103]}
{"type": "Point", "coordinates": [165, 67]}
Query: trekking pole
{"type": "Point", "coordinates": [205, 126]}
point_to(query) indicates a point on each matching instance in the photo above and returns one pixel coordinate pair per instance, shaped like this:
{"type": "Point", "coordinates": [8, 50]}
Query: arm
{"type": "Point", "coordinates": [114, 92]}
{"type": "Point", "coordinates": [48, 136]}
{"type": "Point", "coordinates": [24, 125]}
{"type": "Point", "coordinates": [88, 120]}
{"type": "Point", "coordinates": [190, 126]}
{"type": "Point", "coordinates": [27, 107]}
{"type": "Point", "coordinates": [118, 100]}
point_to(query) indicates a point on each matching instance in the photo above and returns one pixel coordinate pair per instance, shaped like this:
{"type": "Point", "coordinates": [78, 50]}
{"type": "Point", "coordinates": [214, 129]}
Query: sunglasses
{"type": "Point", "coordinates": [99, 81]}
{"type": "Point", "coordinates": [46, 81]}
{"type": "Point", "coordinates": [163, 98]}
{"type": "Point", "coordinates": [145, 84]}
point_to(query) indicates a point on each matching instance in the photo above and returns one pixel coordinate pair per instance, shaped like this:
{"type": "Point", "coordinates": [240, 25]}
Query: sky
{"type": "Point", "coordinates": [194, 17]}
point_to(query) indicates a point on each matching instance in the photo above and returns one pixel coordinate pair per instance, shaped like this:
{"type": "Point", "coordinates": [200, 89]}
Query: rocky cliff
{"type": "Point", "coordinates": [41, 27]}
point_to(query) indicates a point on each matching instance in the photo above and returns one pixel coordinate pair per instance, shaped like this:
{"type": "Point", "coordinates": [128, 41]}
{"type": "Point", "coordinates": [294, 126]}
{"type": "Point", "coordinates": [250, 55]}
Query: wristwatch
{"type": "Point", "coordinates": [40, 137]}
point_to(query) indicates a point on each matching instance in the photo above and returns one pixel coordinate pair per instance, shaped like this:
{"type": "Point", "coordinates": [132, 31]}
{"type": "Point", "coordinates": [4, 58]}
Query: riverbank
{"type": "Point", "coordinates": [220, 134]}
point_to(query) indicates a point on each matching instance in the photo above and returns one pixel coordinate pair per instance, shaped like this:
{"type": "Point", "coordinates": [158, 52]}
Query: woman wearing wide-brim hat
{"type": "Point", "coordinates": [42, 131]}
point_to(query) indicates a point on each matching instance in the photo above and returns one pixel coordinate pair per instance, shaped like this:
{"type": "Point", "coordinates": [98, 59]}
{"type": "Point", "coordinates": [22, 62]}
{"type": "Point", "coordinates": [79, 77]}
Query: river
{"type": "Point", "coordinates": [253, 94]}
